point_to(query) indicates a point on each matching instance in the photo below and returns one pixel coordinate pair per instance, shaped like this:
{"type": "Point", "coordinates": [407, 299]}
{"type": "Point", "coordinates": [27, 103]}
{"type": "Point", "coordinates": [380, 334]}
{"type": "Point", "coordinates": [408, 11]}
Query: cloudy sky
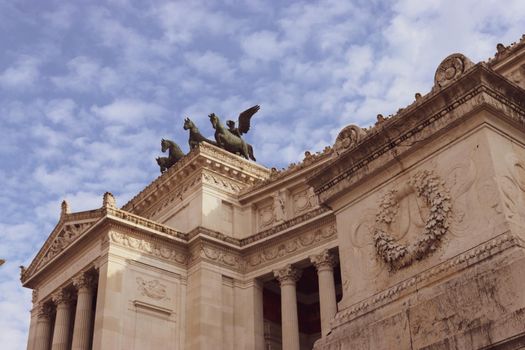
{"type": "Point", "coordinates": [88, 89]}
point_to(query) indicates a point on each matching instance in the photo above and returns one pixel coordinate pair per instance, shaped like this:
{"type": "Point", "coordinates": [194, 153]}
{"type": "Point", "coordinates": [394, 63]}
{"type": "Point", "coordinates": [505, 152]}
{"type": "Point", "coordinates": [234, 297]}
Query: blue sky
{"type": "Point", "coordinates": [88, 89]}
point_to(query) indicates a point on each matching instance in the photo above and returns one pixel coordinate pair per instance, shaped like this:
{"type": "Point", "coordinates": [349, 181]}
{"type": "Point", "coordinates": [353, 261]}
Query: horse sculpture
{"type": "Point", "coordinates": [230, 141]}
{"type": "Point", "coordinates": [174, 155]}
{"type": "Point", "coordinates": [195, 135]}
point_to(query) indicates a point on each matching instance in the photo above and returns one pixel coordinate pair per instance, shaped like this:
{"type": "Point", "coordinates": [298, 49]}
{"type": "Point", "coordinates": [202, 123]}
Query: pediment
{"type": "Point", "coordinates": [68, 230]}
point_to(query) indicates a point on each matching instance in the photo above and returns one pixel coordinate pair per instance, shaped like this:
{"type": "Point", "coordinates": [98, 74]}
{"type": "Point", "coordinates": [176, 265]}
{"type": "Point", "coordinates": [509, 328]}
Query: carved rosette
{"type": "Point", "coordinates": [347, 138]}
{"type": "Point", "coordinates": [61, 297]}
{"type": "Point", "coordinates": [44, 312]}
{"type": "Point", "coordinates": [450, 69]}
{"type": "Point", "coordinates": [431, 188]}
{"type": "Point", "coordinates": [323, 261]}
{"type": "Point", "coordinates": [84, 281]}
{"type": "Point", "coordinates": [287, 275]}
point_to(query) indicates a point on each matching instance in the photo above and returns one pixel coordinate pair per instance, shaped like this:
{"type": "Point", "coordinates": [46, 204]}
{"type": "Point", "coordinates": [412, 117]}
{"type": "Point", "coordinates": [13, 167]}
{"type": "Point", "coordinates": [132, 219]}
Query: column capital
{"type": "Point", "coordinates": [287, 274]}
{"type": "Point", "coordinates": [61, 297]}
{"type": "Point", "coordinates": [84, 280]}
{"type": "Point", "coordinates": [323, 260]}
{"type": "Point", "coordinates": [44, 311]}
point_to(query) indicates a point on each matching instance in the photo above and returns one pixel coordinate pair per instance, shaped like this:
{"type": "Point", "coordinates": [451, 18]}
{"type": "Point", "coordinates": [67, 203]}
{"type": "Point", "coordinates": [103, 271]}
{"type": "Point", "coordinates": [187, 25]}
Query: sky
{"type": "Point", "coordinates": [89, 88]}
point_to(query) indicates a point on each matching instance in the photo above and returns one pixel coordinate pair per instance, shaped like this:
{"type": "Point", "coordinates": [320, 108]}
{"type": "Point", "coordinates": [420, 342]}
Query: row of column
{"type": "Point", "coordinates": [288, 277]}
{"type": "Point", "coordinates": [61, 300]}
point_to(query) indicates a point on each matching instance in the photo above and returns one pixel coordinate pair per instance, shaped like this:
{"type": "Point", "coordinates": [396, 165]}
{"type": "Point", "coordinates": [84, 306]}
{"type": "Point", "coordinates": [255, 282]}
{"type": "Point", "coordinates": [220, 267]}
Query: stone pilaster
{"type": "Point", "coordinates": [324, 263]}
{"type": "Point", "coordinates": [61, 334]}
{"type": "Point", "coordinates": [84, 284]}
{"type": "Point", "coordinates": [43, 327]}
{"type": "Point", "coordinates": [288, 277]}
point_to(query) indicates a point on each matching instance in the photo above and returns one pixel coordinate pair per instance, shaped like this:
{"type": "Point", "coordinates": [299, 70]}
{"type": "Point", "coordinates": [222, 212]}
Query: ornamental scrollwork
{"type": "Point", "coordinates": [430, 187]}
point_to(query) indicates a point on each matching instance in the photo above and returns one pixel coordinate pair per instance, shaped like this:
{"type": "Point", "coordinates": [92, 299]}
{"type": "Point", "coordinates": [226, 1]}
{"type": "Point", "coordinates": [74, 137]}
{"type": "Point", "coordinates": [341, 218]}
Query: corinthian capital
{"type": "Point", "coordinates": [287, 274]}
{"type": "Point", "coordinates": [84, 281]}
{"type": "Point", "coordinates": [61, 297]}
{"type": "Point", "coordinates": [44, 311]}
{"type": "Point", "coordinates": [324, 260]}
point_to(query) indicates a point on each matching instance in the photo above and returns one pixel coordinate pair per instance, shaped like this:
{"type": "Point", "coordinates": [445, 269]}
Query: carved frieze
{"type": "Point", "coordinates": [152, 289]}
{"type": "Point", "coordinates": [288, 247]}
{"type": "Point", "coordinates": [216, 254]}
{"type": "Point", "coordinates": [156, 249]}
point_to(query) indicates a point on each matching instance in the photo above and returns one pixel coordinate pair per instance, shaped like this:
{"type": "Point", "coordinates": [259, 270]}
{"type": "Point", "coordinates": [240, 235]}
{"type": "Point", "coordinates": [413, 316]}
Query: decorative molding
{"type": "Point", "coordinates": [34, 296]}
{"type": "Point", "coordinates": [148, 246]}
{"type": "Point", "coordinates": [483, 251]}
{"type": "Point", "coordinates": [287, 274]}
{"type": "Point", "coordinates": [288, 247]}
{"type": "Point", "coordinates": [152, 289]}
{"type": "Point", "coordinates": [431, 188]}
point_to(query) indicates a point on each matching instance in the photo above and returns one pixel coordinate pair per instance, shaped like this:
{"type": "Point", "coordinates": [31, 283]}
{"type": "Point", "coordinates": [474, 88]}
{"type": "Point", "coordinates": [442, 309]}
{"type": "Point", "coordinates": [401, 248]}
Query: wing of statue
{"type": "Point", "coordinates": [244, 119]}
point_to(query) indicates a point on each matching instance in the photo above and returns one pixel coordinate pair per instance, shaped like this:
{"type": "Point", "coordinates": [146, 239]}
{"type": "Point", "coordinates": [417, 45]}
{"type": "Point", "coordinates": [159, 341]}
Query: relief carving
{"type": "Point", "coordinates": [430, 188]}
{"type": "Point", "coordinates": [152, 289]}
{"type": "Point", "coordinates": [348, 137]}
{"type": "Point", "coordinates": [66, 236]}
{"type": "Point", "coordinates": [512, 184]}
{"type": "Point", "coordinates": [284, 249]}
{"type": "Point", "coordinates": [450, 69]}
{"type": "Point", "coordinates": [152, 248]}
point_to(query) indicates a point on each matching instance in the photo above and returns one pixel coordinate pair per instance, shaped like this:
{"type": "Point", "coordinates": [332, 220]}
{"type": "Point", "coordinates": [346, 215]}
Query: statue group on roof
{"type": "Point", "coordinates": [228, 138]}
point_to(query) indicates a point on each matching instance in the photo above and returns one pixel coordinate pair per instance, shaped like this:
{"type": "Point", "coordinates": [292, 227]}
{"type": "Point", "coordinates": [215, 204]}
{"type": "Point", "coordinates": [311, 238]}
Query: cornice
{"type": "Point", "coordinates": [294, 171]}
{"type": "Point", "coordinates": [205, 156]}
{"type": "Point", "coordinates": [506, 54]}
{"type": "Point", "coordinates": [439, 110]}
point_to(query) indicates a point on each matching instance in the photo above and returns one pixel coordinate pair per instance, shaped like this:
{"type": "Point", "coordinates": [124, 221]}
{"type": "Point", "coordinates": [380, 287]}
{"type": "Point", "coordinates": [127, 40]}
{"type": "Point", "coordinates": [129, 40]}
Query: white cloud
{"type": "Point", "coordinates": [129, 112]}
{"type": "Point", "coordinates": [60, 110]}
{"type": "Point", "coordinates": [22, 74]}
{"type": "Point", "coordinates": [211, 64]}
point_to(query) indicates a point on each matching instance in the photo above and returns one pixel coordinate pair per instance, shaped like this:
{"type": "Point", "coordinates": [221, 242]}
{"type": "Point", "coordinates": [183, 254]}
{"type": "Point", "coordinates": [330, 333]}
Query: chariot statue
{"type": "Point", "coordinates": [174, 155]}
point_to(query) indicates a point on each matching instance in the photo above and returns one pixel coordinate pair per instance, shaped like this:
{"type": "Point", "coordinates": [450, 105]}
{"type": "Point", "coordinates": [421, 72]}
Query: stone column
{"type": "Point", "coordinates": [324, 263]}
{"type": "Point", "coordinates": [84, 311]}
{"type": "Point", "coordinates": [43, 328]}
{"type": "Point", "coordinates": [287, 278]}
{"type": "Point", "coordinates": [62, 300]}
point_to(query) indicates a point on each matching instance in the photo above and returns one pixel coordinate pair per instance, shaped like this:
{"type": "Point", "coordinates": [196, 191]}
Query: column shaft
{"type": "Point", "coordinates": [290, 322]}
{"type": "Point", "coordinates": [62, 322]}
{"type": "Point", "coordinates": [83, 319]}
{"type": "Point", "coordinates": [287, 277]}
{"type": "Point", "coordinates": [324, 263]}
{"type": "Point", "coordinates": [43, 329]}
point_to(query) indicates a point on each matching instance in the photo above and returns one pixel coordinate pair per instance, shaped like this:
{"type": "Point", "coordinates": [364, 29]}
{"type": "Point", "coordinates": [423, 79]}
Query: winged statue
{"type": "Point", "coordinates": [230, 138]}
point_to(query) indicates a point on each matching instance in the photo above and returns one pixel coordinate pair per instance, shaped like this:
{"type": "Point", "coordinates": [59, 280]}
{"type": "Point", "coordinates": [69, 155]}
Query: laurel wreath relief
{"type": "Point", "coordinates": [429, 186]}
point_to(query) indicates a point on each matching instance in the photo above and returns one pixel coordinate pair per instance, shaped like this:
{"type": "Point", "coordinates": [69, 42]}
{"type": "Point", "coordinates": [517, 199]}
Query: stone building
{"type": "Point", "coordinates": [405, 235]}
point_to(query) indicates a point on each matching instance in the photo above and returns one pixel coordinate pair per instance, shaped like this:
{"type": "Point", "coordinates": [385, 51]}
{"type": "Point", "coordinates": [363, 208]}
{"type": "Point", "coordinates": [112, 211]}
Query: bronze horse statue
{"type": "Point", "coordinates": [174, 155]}
{"type": "Point", "coordinates": [230, 141]}
{"type": "Point", "coordinates": [195, 135]}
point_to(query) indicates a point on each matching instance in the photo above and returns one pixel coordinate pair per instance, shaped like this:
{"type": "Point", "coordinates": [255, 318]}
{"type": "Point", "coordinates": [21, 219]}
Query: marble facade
{"type": "Point", "coordinates": [405, 235]}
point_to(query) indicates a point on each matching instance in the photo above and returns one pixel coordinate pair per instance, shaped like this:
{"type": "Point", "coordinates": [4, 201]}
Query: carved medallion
{"type": "Point", "coordinates": [430, 187]}
{"type": "Point", "coordinates": [450, 69]}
